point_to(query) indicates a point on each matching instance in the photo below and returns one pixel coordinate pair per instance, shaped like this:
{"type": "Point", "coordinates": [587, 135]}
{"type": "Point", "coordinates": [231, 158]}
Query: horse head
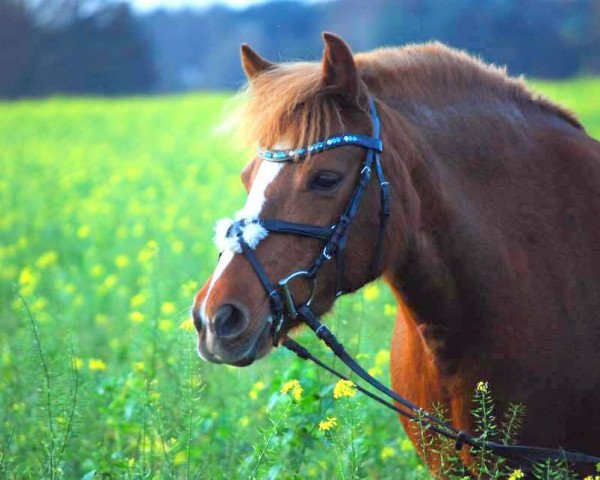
{"type": "Point", "coordinates": [292, 105]}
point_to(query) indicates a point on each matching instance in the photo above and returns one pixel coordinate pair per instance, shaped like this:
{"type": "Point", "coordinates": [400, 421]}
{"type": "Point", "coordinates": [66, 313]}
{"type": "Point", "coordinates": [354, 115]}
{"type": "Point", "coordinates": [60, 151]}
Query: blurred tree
{"type": "Point", "coordinates": [551, 39]}
{"type": "Point", "coordinates": [75, 46]}
{"type": "Point", "coordinates": [16, 41]}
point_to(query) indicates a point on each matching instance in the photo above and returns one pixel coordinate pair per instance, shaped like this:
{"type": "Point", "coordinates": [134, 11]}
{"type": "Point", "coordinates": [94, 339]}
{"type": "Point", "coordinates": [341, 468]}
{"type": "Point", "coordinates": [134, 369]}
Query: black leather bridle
{"type": "Point", "coordinates": [283, 305]}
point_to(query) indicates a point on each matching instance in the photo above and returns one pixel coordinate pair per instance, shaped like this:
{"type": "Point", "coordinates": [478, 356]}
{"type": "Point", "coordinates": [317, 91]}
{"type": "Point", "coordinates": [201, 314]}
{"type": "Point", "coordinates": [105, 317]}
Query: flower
{"type": "Point", "coordinates": [258, 386]}
{"type": "Point", "coordinates": [344, 388]}
{"type": "Point", "coordinates": [83, 231]}
{"type": "Point", "coordinates": [136, 316]}
{"type": "Point", "coordinates": [122, 261]}
{"type": "Point", "coordinates": [482, 387]}
{"type": "Point", "coordinates": [187, 325]}
{"type": "Point", "coordinates": [137, 300]}
{"type": "Point", "coordinates": [387, 452]}
{"type": "Point", "coordinates": [244, 422]}
{"type": "Point", "coordinates": [327, 424]}
{"type": "Point", "coordinates": [371, 292]}
{"type": "Point", "coordinates": [382, 357]}
{"type": "Point", "coordinates": [167, 308]}
{"type": "Point", "coordinates": [46, 259]}
{"type": "Point", "coordinates": [516, 474]}
{"type": "Point", "coordinates": [97, 270]}
{"type": "Point", "coordinates": [180, 457]}
{"type": "Point", "coordinates": [96, 364]}
{"type": "Point", "coordinates": [109, 282]}
{"type": "Point", "coordinates": [165, 325]}
{"type": "Point", "coordinates": [295, 387]}
{"type": "Point", "coordinates": [77, 363]}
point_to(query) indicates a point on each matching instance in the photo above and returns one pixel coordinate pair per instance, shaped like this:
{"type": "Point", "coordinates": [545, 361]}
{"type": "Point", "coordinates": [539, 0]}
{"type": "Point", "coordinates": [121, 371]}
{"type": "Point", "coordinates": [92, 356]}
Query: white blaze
{"type": "Point", "coordinates": [267, 172]}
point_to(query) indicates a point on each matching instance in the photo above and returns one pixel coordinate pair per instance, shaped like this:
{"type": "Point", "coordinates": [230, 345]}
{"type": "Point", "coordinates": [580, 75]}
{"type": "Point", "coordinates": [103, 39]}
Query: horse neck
{"type": "Point", "coordinates": [443, 248]}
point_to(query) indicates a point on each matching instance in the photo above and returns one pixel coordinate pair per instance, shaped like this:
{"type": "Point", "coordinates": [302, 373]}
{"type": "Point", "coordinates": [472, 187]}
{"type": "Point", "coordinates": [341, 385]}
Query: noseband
{"type": "Point", "coordinates": [283, 304]}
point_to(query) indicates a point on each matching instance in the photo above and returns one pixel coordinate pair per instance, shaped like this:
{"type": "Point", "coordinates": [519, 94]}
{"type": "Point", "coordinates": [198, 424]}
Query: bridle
{"type": "Point", "coordinates": [334, 236]}
{"type": "Point", "coordinates": [283, 305]}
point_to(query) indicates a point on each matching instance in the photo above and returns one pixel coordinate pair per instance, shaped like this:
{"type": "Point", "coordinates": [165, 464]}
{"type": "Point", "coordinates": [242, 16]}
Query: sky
{"type": "Point", "coordinates": [146, 5]}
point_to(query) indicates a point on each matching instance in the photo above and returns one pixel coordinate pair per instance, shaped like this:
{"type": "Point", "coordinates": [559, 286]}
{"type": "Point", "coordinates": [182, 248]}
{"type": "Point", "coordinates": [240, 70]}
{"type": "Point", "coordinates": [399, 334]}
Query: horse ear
{"type": "Point", "coordinates": [252, 62]}
{"type": "Point", "coordinates": [339, 70]}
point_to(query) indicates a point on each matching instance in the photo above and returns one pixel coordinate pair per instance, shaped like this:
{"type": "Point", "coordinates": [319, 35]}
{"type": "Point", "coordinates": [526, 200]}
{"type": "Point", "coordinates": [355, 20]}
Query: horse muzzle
{"type": "Point", "coordinates": [229, 337]}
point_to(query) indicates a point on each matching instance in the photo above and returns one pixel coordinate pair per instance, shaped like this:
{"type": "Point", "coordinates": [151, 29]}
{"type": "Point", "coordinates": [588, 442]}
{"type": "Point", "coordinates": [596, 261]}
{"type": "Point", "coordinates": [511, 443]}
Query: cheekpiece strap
{"type": "Point", "coordinates": [334, 141]}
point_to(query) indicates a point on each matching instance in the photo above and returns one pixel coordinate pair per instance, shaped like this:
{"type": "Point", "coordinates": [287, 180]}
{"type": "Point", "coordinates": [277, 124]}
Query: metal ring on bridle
{"type": "Point", "coordinates": [287, 294]}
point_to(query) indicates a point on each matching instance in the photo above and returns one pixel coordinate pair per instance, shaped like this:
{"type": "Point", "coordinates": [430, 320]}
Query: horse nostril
{"type": "Point", "coordinates": [230, 321]}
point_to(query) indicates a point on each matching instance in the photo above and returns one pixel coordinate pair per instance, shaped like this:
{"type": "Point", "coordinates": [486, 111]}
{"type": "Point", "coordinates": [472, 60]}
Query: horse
{"type": "Point", "coordinates": [491, 246]}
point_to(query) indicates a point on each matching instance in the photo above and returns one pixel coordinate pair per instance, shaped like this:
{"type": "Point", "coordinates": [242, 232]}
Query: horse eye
{"type": "Point", "coordinates": [325, 181]}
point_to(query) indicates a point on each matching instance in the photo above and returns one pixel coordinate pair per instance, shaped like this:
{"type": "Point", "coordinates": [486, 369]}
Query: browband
{"type": "Point", "coordinates": [334, 141]}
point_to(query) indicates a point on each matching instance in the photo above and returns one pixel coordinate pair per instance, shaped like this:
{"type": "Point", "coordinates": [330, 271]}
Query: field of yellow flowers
{"type": "Point", "coordinates": [107, 208]}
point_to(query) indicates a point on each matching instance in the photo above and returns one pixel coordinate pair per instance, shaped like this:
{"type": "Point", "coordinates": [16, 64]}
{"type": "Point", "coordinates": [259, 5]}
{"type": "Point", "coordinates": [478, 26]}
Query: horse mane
{"type": "Point", "coordinates": [289, 102]}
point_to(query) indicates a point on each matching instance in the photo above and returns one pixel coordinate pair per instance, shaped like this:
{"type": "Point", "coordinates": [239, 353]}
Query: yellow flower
{"type": "Point", "coordinates": [382, 357]}
{"type": "Point", "coordinates": [39, 304]}
{"type": "Point", "coordinates": [327, 424]}
{"type": "Point", "coordinates": [516, 474]}
{"type": "Point", "coordinates": [136, 316]}
{"type": "Point", "coordinates": [177, 246]}
{"type": "Point", "coordinates": [187, 325]}
{"type": "Point", "coordinates": [96, 364]}
{"type": "Point", "coordinates": [139, 366]}
{"type": "Point", "coordinates": [97, 270]}
{"type": "Point", "coordinates": [406, 445]}
{"type": "Point", "coordinates": [180, 457]}
{"type": "Point", "coordinates": [167, 308]}
{"type": "Point", "coordinates": [77, 363]}
{"type": "Point", "coordinates": [371, 292]}
{"type": "Point", "coordinates": [83, 231]}
{"type": "Point", "coordinates": [244, 422]}
{"type": "Point", "coordinates": [110, 282]}
{"type": "Point", "coordinates": [148, 251]}
{"type": "Point", "coordinates": [253, 393]}
{"type": "Point", "coordinates": [28, 280]}
{"type": "Point", "coordinates": [387, 452]}
{"type": "Point", "coordinates": [482, 387]}
{"type": "Point", "coordinates": [46, 259]}
{"type": "Point", "coordinates": [188, 288]}
{"type": "Point", "coordinates": [165, 325]}
{"type": "Point", "coordinates": [137, 300]}
{"type": "Point", "coordinates": [293, 386]}
{"type": "Point", "coordinates": [390, 310]}
{"type": "Point", "coordinates": [344, 388]}
{"type": "Point", "coordinates": [122, 261]}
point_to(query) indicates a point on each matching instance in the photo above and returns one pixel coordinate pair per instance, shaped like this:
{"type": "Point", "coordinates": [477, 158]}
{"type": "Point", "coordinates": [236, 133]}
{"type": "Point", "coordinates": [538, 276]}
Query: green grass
{"type": "Point", "coordinates": [107, 209]}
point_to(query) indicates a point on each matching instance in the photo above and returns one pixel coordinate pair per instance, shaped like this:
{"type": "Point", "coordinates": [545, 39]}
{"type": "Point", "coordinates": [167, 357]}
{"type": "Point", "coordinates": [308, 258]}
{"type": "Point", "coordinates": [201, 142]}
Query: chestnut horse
{"type": "Point", "coordinates": [491, 249]}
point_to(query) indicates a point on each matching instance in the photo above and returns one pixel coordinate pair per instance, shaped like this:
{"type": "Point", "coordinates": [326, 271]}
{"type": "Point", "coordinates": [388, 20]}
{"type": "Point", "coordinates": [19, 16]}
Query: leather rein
{"type": "Point", "coordinates": [284, 306]}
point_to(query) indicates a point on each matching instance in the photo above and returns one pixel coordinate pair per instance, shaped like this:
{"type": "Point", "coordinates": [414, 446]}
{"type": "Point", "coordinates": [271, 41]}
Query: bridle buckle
{"type": "Point", "coordinates": [287, 294]}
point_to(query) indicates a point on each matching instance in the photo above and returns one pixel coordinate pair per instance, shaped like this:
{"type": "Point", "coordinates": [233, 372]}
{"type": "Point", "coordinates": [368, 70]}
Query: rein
{"type": "Point", "coordinates": [283, 304]}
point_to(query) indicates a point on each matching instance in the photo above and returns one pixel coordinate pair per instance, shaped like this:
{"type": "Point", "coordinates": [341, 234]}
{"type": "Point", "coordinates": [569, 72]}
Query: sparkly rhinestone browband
{"type": "Point", "coordinates": [331, 142]}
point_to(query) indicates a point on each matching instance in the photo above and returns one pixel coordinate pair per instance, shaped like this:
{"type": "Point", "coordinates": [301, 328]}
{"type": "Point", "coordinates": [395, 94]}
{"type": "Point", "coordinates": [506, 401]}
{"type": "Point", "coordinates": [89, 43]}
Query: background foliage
{"type": "Point", "coordinates": [104, 47]}
{"type": "Point", "coordinates": [105, 235]}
